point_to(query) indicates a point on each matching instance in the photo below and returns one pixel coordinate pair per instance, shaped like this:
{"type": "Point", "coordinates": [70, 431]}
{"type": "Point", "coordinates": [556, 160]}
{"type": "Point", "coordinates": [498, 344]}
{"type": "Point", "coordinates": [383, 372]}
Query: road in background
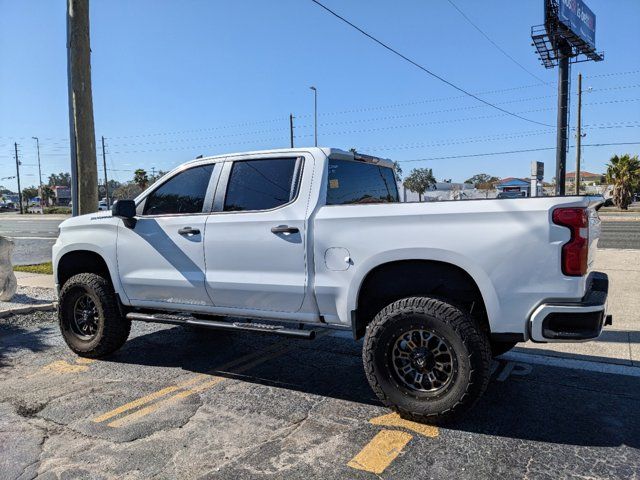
{"type": "Point", "coordinates": [620, 234]}
{"type": "Point", "coordinates": [33, 235]}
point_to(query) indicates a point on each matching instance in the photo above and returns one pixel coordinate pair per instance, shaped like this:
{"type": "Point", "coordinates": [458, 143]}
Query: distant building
{"type": "Point", "coordinates": [586, 178]}
{"type": "Point", "coordinates": [440, 191]}
{"type": "Point", "coordinates": [63, 196]}
{"type": "Point", "coordinates": [516, 185]}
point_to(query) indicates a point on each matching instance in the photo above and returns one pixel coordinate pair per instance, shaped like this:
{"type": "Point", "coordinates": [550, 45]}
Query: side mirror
{"type": "Point", "coordinates": [125, 209]}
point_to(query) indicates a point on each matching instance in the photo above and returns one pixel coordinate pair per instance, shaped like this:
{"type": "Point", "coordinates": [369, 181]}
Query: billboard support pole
{"type": "Point", "coordinates": [563, 111]}
{"type": "Point", "coordinates": [579, 135]}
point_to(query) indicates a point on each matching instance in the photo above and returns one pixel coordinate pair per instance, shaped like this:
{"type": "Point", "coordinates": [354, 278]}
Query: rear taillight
{"type": "Point", "coordinates": [575, 251]}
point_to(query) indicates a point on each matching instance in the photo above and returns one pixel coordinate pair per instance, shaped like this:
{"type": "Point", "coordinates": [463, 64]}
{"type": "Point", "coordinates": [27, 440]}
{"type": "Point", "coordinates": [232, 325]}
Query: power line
{"type": "Point", "coordinates": [494, 43]}
{"type": "Point", "coordinates": [509, 152]}
{"type": "Point", "coordinates": [424, 69]}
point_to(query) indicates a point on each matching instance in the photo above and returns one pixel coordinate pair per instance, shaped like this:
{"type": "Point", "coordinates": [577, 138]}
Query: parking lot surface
{"type": "Point", "coordinates": [175, 403]}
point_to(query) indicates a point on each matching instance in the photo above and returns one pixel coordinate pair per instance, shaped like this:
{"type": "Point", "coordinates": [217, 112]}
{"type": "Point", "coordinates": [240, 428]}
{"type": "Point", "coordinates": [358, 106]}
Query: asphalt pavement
{"type": "Point", "coordinates": [174, 403]}
{"type": "Point", "coordinates": [620, 234]}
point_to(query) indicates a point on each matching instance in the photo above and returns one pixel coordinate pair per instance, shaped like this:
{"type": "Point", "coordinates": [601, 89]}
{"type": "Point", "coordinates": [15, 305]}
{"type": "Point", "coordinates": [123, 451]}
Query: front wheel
{"type": "Point", "coordinates": [90, 321]}
{"type": "Point", "coordinates": [426, 359]}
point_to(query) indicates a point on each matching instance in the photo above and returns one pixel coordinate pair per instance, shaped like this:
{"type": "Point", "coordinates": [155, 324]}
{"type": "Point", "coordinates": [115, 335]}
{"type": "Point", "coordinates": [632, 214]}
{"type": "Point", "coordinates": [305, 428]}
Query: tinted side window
{"type": "Point", "coordinates": [357, 182]}
{"type": "Point", "coordinates": [183, 193]}
{"type": "Point", "coordinates": [261, 184]}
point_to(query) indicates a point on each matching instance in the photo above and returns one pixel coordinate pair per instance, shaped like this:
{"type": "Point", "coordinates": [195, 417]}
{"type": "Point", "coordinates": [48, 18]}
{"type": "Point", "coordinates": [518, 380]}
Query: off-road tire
{"type": "Point", "coordinates": [468, 343]}
{"type": "Point", "coordinates": [500, 348]}
{"type": "Point", "coordinates": [113, 329]}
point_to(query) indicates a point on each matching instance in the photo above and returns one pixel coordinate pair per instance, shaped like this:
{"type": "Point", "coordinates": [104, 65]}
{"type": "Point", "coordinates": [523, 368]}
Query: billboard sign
{"type": "Point", "coordinates": [537, 170]}
{"type": "Point", "coordinates": [578, 18]}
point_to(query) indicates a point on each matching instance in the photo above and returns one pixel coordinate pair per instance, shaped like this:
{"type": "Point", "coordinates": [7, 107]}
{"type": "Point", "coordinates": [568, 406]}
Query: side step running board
{"type": "Point", "coordinates": [219, 325]}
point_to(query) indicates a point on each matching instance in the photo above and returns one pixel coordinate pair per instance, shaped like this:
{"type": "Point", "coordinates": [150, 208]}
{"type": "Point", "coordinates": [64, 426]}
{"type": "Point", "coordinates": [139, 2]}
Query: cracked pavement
{"type": "Point", "coordinates": [176, 403]}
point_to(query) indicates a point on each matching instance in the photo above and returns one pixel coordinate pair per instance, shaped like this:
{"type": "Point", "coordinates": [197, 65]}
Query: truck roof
{"type": "Point", "coordinates": [335, 153]}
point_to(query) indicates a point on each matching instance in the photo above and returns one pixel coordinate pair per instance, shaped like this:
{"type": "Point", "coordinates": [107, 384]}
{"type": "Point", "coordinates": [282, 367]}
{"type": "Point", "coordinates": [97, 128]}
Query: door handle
{"type": "Point", "coordinates": [284, 229]}
{"type": "Point", "coordinates": [189, 231]}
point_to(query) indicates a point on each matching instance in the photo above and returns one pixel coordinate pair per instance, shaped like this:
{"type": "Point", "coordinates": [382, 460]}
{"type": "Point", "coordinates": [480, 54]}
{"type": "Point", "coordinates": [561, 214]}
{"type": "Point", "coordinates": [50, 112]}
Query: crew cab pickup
{"type": "Point", "coordinates": [289, 241]}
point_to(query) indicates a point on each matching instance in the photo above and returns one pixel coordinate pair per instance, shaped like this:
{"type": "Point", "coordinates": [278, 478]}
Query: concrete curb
{"type": "Point", "coordinates": [43, 307]}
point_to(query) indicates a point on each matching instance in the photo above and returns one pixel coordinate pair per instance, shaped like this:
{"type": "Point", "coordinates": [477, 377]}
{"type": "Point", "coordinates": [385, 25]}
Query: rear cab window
{"type": "Point", "coordinates": [262, 184]}
{"type": "Point", "coordinates": [356, 182]}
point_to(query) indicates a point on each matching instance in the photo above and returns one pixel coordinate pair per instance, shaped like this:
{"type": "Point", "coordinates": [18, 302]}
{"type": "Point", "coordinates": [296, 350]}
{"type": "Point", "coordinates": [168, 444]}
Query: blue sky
{"type": "Point", "coordinates": [172, 80]}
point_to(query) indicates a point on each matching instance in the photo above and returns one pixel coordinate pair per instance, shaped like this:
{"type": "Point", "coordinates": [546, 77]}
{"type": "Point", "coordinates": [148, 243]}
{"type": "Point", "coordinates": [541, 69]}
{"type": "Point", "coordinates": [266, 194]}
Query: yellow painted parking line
{"type": "Point", "coordinates": [254, 358]}
{"type": "Point", "coordinates": [85, 361]}
{"type": "Point", "coordinates": [383, 449]}
{"type": "Point", "coordinates": [136, 403]}
{"type": "Point", "coordinates": [164, 391]}
{"type": "Point", "coordinates": [395, 420]}
{"type": "Point", "coordinates": [378, 454]}
{"type": "Point", "coordinates": [63, 367]}
{"type": "Point", "coordinates": [132, 417]}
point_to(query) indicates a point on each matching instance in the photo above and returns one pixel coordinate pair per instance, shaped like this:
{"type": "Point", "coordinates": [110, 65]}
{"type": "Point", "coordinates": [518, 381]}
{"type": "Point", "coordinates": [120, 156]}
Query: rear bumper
{"type": "Point", "coordinates": [559, 321]}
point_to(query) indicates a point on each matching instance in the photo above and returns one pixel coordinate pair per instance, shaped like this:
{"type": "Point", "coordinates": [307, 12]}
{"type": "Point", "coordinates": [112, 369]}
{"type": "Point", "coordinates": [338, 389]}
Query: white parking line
{"type": "Point", "coordinates": [598, 367]}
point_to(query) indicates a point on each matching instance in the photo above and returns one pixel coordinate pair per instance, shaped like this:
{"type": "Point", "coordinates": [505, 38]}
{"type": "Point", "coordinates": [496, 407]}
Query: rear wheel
{"type": "Point", "coordinates": [89, 318]}
{"type": "Point", "coordinates": [426, 359]}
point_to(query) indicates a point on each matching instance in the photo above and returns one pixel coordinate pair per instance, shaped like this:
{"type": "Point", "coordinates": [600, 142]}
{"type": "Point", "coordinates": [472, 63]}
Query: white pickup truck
{"type": "Point", "coordinates": [318, 237]}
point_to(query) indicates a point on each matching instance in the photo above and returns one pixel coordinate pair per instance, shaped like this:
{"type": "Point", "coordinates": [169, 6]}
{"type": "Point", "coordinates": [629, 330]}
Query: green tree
{"type": "Point", "coordinates": [141, 178]}
{"type": "Point", "coordinates": [420, 180]}
{"type": "Point", "coordinates": [624, 173]}
{"type": "Point", "coordinates": [127, 191]}
{"type": "Point", "coordinates": [154, 178]}
{"type": "Point", "coordinates": [62, 179]}
{"type": "Point", "coordinates": [48, 195]}
{"type": "Point", "coordinates": [482, 179]}
{"type": "Point", "coordinates": [29, 193]}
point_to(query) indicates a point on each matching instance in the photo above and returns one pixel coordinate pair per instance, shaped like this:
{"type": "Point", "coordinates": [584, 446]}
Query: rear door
{"type": "Point", "coordinates": [161, 258]}
{"type": "Point", "coordinates": [255, 240]}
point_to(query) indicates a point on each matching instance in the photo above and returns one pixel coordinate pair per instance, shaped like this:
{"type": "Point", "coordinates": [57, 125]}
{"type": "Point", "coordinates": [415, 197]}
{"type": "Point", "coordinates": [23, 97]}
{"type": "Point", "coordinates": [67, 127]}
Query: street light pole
{"type": "Point", "coordinates": [39, 172]}
{"type": "Point", "coordinates": [18, 178]}
{"type": "Point", "coordinates": [315, 114]}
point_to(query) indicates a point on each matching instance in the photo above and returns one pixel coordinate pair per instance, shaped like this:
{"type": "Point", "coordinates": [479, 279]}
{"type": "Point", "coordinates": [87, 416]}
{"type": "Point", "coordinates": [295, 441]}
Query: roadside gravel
{"type": "Point", "coordinates": [32, 319]}
{"type": "Point", "coordinates": [29, 296]}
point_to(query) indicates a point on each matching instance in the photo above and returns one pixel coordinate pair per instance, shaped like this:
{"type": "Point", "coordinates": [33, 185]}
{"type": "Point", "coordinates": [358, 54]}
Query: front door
{"type": "Point", "coordinates": [255, 240]}
{"type": "Point", "coordinates": [161, 257]}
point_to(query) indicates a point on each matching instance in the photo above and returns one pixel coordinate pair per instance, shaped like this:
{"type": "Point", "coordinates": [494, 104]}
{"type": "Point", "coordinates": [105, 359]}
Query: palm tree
{"type": "Point", "coordinates": [419, 180]}
{"type": "Point", "coordinates": [141, 178]}
{"type": "Point", "coordinates": [624, 173]}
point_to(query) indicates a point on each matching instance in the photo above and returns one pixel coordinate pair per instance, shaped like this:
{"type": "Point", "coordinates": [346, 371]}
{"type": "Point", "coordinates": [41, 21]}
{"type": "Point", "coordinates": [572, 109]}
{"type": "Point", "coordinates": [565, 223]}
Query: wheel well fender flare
{"type": "Point", "coordinates": [471, 268]}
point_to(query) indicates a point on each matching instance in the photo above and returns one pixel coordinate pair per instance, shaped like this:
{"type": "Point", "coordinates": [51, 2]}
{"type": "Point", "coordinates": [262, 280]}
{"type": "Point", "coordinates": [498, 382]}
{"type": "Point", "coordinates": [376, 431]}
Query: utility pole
{"type": "Point", "coordinates": [39, 172]}
{"type": "Point", "coordinates": [84, 168]}
{"type": "Point", "coordinates": [315, 114]}
{"type": "Point", "coordinates": [15, 145]}
{"type": "Point", "coordinates": [106, 179]}
{"type": "Point", "coordinates": [563, 111]}
{"type": "Point", "coordinates": [579, 135]}
{"type": "Point", "coordinates": [291, 128]}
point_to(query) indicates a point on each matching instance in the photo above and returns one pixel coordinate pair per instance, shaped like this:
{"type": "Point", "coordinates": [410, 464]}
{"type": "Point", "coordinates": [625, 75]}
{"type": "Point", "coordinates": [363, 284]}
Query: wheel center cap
{"type": "Point", "coordinates": [422, 359]}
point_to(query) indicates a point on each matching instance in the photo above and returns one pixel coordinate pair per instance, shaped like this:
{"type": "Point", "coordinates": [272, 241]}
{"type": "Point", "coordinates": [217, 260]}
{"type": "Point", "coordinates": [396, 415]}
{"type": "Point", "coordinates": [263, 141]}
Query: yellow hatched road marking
{"type": "Point", "coordinates": [383, 449]}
